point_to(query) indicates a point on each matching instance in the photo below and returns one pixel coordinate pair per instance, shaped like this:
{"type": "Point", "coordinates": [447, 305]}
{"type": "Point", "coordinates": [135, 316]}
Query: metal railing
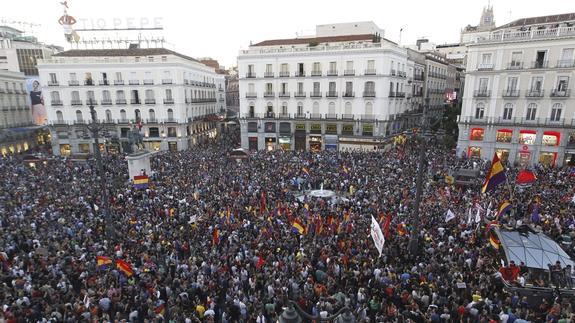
{"type": "Point", "coordinates": [168, 101]}
{"type": "Point", "coordinates": [485, 66]}
{"type": "Point", "coordinates": [135, 101]}
{"type": "Point", "coordinates": [369, 94]}
{"type": "Point", "coordinates": [56, 102]}
{"type": "Point", "coordinates": [107, 102]}
{"type": "Point", "coordinates": [332, 116]}
{"type": "Point", "coordinates": [347, 116]}
{"type": "Point", "coordinates": [150, 101]}
{"type": "Point", "coordinates": [284, 74]}
{"type": "Point", "coordinates": [299, 94]}
{"type": "Point", "coordinates": [118, 82]}
{"type": "Point", "coordinates": [53, 83]}
{"type": "Point", "coordinates": [534, 93]}
{"type": "Point", "coordinates": [251, 95]}
{"type": "Point", "coordinates": [167, 81]}
{"type": "Point", "coordinates": [349, 73]}
{"type": "Point", "coordinates": [89, 82]}
{"type": "Point", "coordinates": [121, 101]}
{"type": "Point", "coordinates": [565, 63]}
{"type": "Point", "coordinates": [315, 116]}
{"type": "Point", "coordinates": [299, 74]}
{"type": "Point", "coordinates": [331, 94]}
{"type": "Point", "coordinates": [284, 94]}
{"type": "Point", "coordinates": [103, 82]}
{"type": "Point", "coordinates": [540, 64]}
{"type": "Point", "coordinates": [75, 102]}
{"type": "Point", "coordinates": [481, 93]}
{"type": "Point", "coordinates": [250, 75]}
{"type": "Point", "coordinates": [315, 94]}
{"type": "Point", "coordinates": [134, 82]}
{"type": "Point", "coordinates": [332, 73]}
{"type": "Point", "coordinates": [510, 93]}
{"type": "Point", "coordinates": [269, 74]}
{"type": "Point", "coordinates": [348, 94]}
{"type": "Point", "coordinates": [515, 65]}
{"type": "Point", "coordinates": [73, 83]}
{"type": "Point", "coordinates": [560, 93]}
{"type": "Point", "coordinates": [511, 35]}
{"type": "Point", "coordinates": [148, 82]}
{"type": "Point", "coordinates": [269, 94]}
{"type": "Point", "coordinates": [401, 74]}
{"type": "Point", "coordinates": [517, 121]}
{"type": "Point", "coordinates": [315, 73]}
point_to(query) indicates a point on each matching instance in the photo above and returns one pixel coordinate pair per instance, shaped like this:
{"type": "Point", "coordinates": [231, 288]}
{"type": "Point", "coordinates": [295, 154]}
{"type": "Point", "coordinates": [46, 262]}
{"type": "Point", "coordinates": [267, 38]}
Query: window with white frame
{"type": "Point", "coordinates": [531, 112]}
{"type": "Point", "coordinates": [479, 110]}
{"type": "Point", "coordinates": [507, 111]}
{"type": "Point", "coordinates": [556, 110]}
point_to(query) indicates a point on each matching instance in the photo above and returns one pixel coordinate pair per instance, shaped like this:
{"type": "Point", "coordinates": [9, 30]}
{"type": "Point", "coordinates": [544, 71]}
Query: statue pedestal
{"type": "Point", "coordinates": [138, 163]}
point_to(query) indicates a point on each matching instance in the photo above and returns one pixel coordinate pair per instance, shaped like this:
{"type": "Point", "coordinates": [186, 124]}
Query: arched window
{"type": "Point", "coordinates": [270, 108]}
{"type": "Point", "coordinates": [108, 115]}
{"type": "Point", "coordinates": [508, 111]}
{"type": "Point", "coordinates": [152, 114]}
{"type": "Point", "coordinates": [59, 116]}
{"type": "Point", "coordinates": [347, 110]}
{"type": "Point", "coordinates": [123, 114]}
{"type": "Point", "coordinates": [331, 108]}
{"type": "Point", "coordinates": [556, 110]}
{"type": "Point", "coordinates": [369, 108]}
{"type": "Point", "coordinates": [480, 110]}
{"type": "Point", "coordinates": [315, 109]}
{"type": "Point", "coordinates": [531, 112]}
{"type": "Point", "coordinates": [79, 116]}
{"type": "Point", "coordinates": [170, 114]}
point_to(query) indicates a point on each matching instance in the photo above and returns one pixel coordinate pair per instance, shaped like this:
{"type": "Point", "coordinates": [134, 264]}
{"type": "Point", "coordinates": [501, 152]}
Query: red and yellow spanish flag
{"type": "Point", "coordinates": [305, 170]}
{"type": "Point", "coordinates": [495, 176]}
{"type": "Point", "coordinates": [493, 240]}
{"type": "Point", "coordinates": [124, 267]}
{"type": "Point", "coordinates": [297, 227]}
{"type": "Point", "coordinates": [215, 236]}
{"type": "Point", "coordinates": [103, 262]}
{"type": "Point", "coordinates": [401, 229]}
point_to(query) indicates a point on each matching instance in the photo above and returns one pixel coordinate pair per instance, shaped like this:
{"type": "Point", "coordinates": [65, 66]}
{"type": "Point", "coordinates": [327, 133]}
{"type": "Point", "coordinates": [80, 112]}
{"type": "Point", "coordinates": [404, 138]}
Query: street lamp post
{"type": "Point", "coordinates": [95, 128]}
{"type": "Point", "coordinates": [414, 238]}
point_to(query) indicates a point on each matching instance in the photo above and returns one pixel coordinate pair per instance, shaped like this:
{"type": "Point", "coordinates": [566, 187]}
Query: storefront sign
{"type": "Point", "coordinates": [525, 148]}
{"type": "Point", "coordinates": [331, 128]}
{"type": "Point", "coordinates": [300, 126]}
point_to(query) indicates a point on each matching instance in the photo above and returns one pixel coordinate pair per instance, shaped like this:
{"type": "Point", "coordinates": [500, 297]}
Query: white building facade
{"type": "Point", "coordinates": [342, 91]}
{"type": "Point", "coordinates": [172, 98]}
{"type": "Point", "coordinates": [14, 113]}
{"type": "Point", "coordinates": [518, 99]}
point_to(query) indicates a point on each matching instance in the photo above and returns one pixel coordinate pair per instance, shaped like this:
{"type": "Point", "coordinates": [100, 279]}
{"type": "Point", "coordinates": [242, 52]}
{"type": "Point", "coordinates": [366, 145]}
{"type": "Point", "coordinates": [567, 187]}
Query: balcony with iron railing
{"type": "Point", "coordinates": [53, 83]}
{"type": "Point", "coordinates": [135, 101]}
{"type": "Point", "coordinates": [501, 121]}
{"type": "Point", "coordinates": [349, 73]}
{"type": "Point", "coordinates": [331, 94]}
{"type": "Point", "coordinates": [148, 82]}
{"type": "Point", "coordinates": [370, 71]}
{"type": "Point", "coordinates": [299, 116]}
{"type": "Point", "coordinates": [73, 83]}
{"type": "Point", "coordinates": [315, 73]}
{"type": "Point", "coordinates": [485, 67]}
{"type": "Point", "coordinates": [540, 64]}
{"type": "Point", "coordinates": [534, 93]}
{"type": "Point", "coordinates": [106, 101]}
{"type": "Point", "coordinates": [481, 93]}
{"type": "Point", "coordinates": [121, 101]}
{"type": "Point", "coordinates": [169, 101]}
{"type": "Point", "coordinates": [315, 94]}
{"type": "Point", "coordinates": [268, 74]}
{"type": "Point", "coordinates": [134, 82]}
{"type": "Point", "coordinates": [299, 95]}
{"type": "Point", "coordinates": [418, 77]}
{"type": "Point", "coordinates": [167, 81]}
{"type": "Point", "coordinates": [560, 94]}
{"type": "Point", "coordinates": [299, 74]}
{"type": "Point", "coordinates": [515, 65]}
{"type": "Point", "coordinates": [283, 115]}
{"type": "Point", "coordinates": [104, 82]}
{"type": "Point", "coordinates": [347, 116]}
{"type": "Point", "coordinates": [118, 82]}
{"type": "Point", "coordinates": [152, 120]}
{"type": "Point", "coordinates": [400, 94]}
{"type": "Point", "coordinates": [392, 72]}
{"type": "Point", "coordinates": [348, 94]}
{"type": "Point", "coordinates": [56, 102]}
{"type": "Point", "coordinates": [566, 63]}
{"type": "Point", "coordinates": [75, 102]}
{"type": "Point", "coordinates": [284, 94]}
{"type": "Point", "coordinates": [392, 94]}
{"type": "Point", "coordinates": [331, 116]}
{"type": "Point", "coordinates": [510, 93]}
{"type": "Point", "coordinates": [331, 73]}
{"type": "Point", "coordinates": [369, 94]}
{"type": "Point", "coordinates": [269, 94]}
{"type": "Point", "coordinates": [89, 82]}
{"type": "Point", "coordinates": [506, 35]}
{"type": "Point", "coordinates": [250, 75]}
{"type": "Point", "coordinates": [367, 117]}
{"type": "Point", "coordinates": [251, 95]}
{"type": "Point", "coordinates": [150, 101]}
{"type": "Point", "coordinates": [315, 116]}
{"type": "Point", "coordinates": [284, 73]}
{"type": "Point", "coordinates": [171, 120]}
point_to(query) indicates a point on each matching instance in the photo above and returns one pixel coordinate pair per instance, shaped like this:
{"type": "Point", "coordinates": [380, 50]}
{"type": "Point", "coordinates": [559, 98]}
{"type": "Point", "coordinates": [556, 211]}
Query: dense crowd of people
{"type": "Point", "coordinates": [213, 240]}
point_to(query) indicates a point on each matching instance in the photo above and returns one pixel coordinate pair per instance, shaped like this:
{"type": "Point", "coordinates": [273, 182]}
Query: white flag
{"type": "Point", "coordinates": [377, 235]}
{"type": "Point", "coordinates": [469, 216]}
{"type": "Point", "coordinates": [96, 208]}
{"type": "Point", "coordinates": [478, 216]}
{"type": "Point", "coordinates": [449, 216]}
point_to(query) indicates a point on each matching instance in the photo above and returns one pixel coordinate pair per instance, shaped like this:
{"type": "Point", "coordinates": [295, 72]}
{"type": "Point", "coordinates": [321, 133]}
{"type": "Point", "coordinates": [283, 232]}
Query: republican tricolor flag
{"type": "Point", "coordinates": [124, 267]}
{"type": "Point", "coordinates": [103, 262]}
{"type": "Point", "coordinates": [495, 176]}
